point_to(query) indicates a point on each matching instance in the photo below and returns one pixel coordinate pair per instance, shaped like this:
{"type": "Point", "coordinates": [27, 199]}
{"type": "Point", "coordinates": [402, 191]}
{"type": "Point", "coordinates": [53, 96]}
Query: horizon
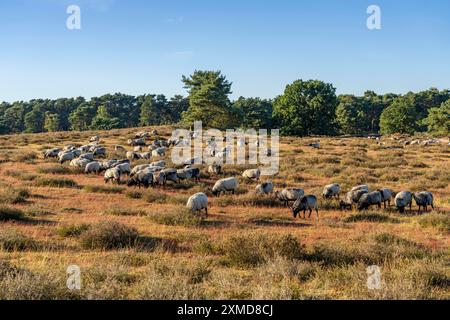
{"type": "Point", "coordinates": [139, 47]}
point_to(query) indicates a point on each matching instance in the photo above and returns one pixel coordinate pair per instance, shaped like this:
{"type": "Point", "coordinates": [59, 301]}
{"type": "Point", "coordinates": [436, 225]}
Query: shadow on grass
{"type": "Point", "coordinates": [276, 222]}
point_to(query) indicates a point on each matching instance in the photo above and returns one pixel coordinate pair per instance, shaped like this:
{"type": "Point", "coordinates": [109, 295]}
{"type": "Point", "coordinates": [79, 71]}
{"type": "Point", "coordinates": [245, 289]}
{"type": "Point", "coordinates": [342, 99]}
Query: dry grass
{"type": "Point", "coordinates": [248, 247]}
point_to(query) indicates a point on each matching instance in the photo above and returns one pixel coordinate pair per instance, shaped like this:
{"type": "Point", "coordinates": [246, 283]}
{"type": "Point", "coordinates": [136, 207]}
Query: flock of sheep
{"type": "Point", "coordinates": [156, 174]}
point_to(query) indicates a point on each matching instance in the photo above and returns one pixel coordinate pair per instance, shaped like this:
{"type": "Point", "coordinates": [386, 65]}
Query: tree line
{"type": "Point", "coordinates": [305, 108]}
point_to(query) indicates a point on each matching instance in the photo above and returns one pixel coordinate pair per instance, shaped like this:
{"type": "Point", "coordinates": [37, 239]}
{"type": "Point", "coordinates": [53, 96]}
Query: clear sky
{"type": "Point", "coordinates": [145, 46]}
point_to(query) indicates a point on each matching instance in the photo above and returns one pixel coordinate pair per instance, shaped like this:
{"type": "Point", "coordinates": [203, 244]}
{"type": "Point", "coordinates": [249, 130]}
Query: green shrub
{"type": "Point", "coordinates": [253, 249]}
{"type": "Point", "coordinates": [12, 240]}
{"type": "Point", "coordinates": [103, 189]}
{"type": "Point", "coordinates": [72, 230]}
{"type": "Point", "coordinates": [14, 196]}
{"type": "Point", "coordinates": [133, 195]}
{"type": "Point", "coordinates": [109, 235]}
{"type": "Point", "coordinates": [125, 212]}
{"type": "Point", "coordinates": [179, 217]}
{"type": "Point", "coordinates": [436, 220]}
{"type": "Point", "coordinates": [55, 170]}
{"type": "Point", "coordinates": [23, 176]}
{"type": "Point", "coordinates": [56, 183]}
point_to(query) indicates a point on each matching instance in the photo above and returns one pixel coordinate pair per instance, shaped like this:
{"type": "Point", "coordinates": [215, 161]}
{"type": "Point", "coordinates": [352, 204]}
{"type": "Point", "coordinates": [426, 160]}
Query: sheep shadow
{"type": "Point", "coordinates": [270, 222]}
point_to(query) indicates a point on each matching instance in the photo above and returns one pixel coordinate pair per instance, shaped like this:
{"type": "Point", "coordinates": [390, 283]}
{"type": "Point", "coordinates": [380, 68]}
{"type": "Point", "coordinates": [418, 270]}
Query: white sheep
{"type": "Point", "coordinates": [124, 168]}
{"type": "Point", "coordinates": [252, 174]}
{"type": "Point", "coordinates": [402, 200]}
{"type": "Point", "coordinates": [112, 174]}
{"type": "Point", "coordinates": [198, 202]}
{"type": "Point", "coordinates": [159, 152]}
{"type": "Point", "coordinates": [424, 199]}
{"type": "Point", "coordinates": [290, 194]}
{"type": "Point", "coordinates": [224, 185]}
{"type": "Point", "coordinates": [369, 199]}
{"type": "Point", "coordinates": [331, 190]}
{"type": "Point", "coordinates": [386, 196]}
{"type": "Point", "coordinates": [304, 203]}
{"type": "Point", "coordinates": [67, 156]}
{"type": "Point", "coordinates": [264, 188]}
{"type": "Point", "coordinates": [92, 167]}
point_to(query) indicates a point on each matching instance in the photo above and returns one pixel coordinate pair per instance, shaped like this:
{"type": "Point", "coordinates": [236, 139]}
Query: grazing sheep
{"type": "Point", "coordinates": [137, 149]}
{"type": "Point", "coordinates": [76, 152]}
{"type": "Point", "coordinates": [141, 135]}
{"type": "Point", "coordinates": [315, 145]}
{"type": "Point", "coordinates": [287, 195]}
{"type": "Point", "coordinates": [100, 151]}
{"type": "Point", "coordinates": [171, 175]}
{"type": "Point", "coordinates": [352, 197]}
{"type": "Point", "coordinates": [67, 156]}
{"type": "Point", "coordinates": [160, 152]}
{"type": "Point", "coordinates": [69, 147]}
{"type": "Point", "coordinates": [189, 173]}
{"type": "Point", "coordinates": [89, 156]}
{"type": "Point", "coordinates": [215, 169]}
{"type": "Point", "coordinates": [51, 153]}
{"type": "Point", "coordinates": [136, 142]}
{"type": "Point", "coordinates": [131, 155]}
{"type": "Point", "coordinates": [145, 155]}
{"type": "Point", "coordinates": [94, 139]}
{"type": "Point", "coordinates": [155, 132]}
{"type": "Point", "coordinates": [304, 203]}
{"type": "Point", "coordinates": [80, 163]}
{"type": "Point", "coordinates": [264, 188]}
{"type": "Point", "coordinates": [369, 199]}
{"type": "Point", "coordinates": [92, 167]}
{"type": "Point", "coordinates": [224, 185]}
{"type": "Point", "coordinates": [198, 202]}
{"type": "Point", "coordinates": [252, 174]}
{"type": "Point", "coordinates": [143, 177]}
{"type": "Point", "coordinates": [148, 167]}
{"type": "Point", "coordinates": [113, 175]}
{"type": "Point", "coordinates": [423, 199]}
{"type": "Point", "coordinates": [331, 190]}
{"type": "Point", "coordinates": [160, 163]}
{"type": "Point", "coordinates": [402, 200]}
{"type": "Point", "coordinates": [159, 179]}
{"type": "Point", "coordinates": [386, 196]}
{"type": "Point", "coordinates": [124, 168]}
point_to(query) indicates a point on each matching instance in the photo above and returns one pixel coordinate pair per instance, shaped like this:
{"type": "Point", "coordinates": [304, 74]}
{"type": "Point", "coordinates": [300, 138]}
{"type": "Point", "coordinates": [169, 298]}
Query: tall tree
{"type": "Point", "coordinates": [400, 117]}
{"type": "Point", "coordinates": [438, 120]}
{"type": "Point", "coordinates": [306, 108]}
{"type": "Point", "coordinates": [149, 112]}
{"type": "Point", "coordinates": [103, 120]}
{"type": "Point", "coordinates": [177, 105]}
{"type": "Point", "coordinates": [256, 112]}
{"type": "Point", "coordinates": [208, 100]}
{"type": "Point", "coordinates": [81, 118]}
{"type": "Point", "coordinates": [51, 122]}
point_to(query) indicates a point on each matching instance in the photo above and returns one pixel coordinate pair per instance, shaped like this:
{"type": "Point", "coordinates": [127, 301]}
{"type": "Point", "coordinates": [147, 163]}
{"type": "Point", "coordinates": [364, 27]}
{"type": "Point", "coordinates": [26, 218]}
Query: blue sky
{"type": "Point", "coordinates": [137, 46]}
